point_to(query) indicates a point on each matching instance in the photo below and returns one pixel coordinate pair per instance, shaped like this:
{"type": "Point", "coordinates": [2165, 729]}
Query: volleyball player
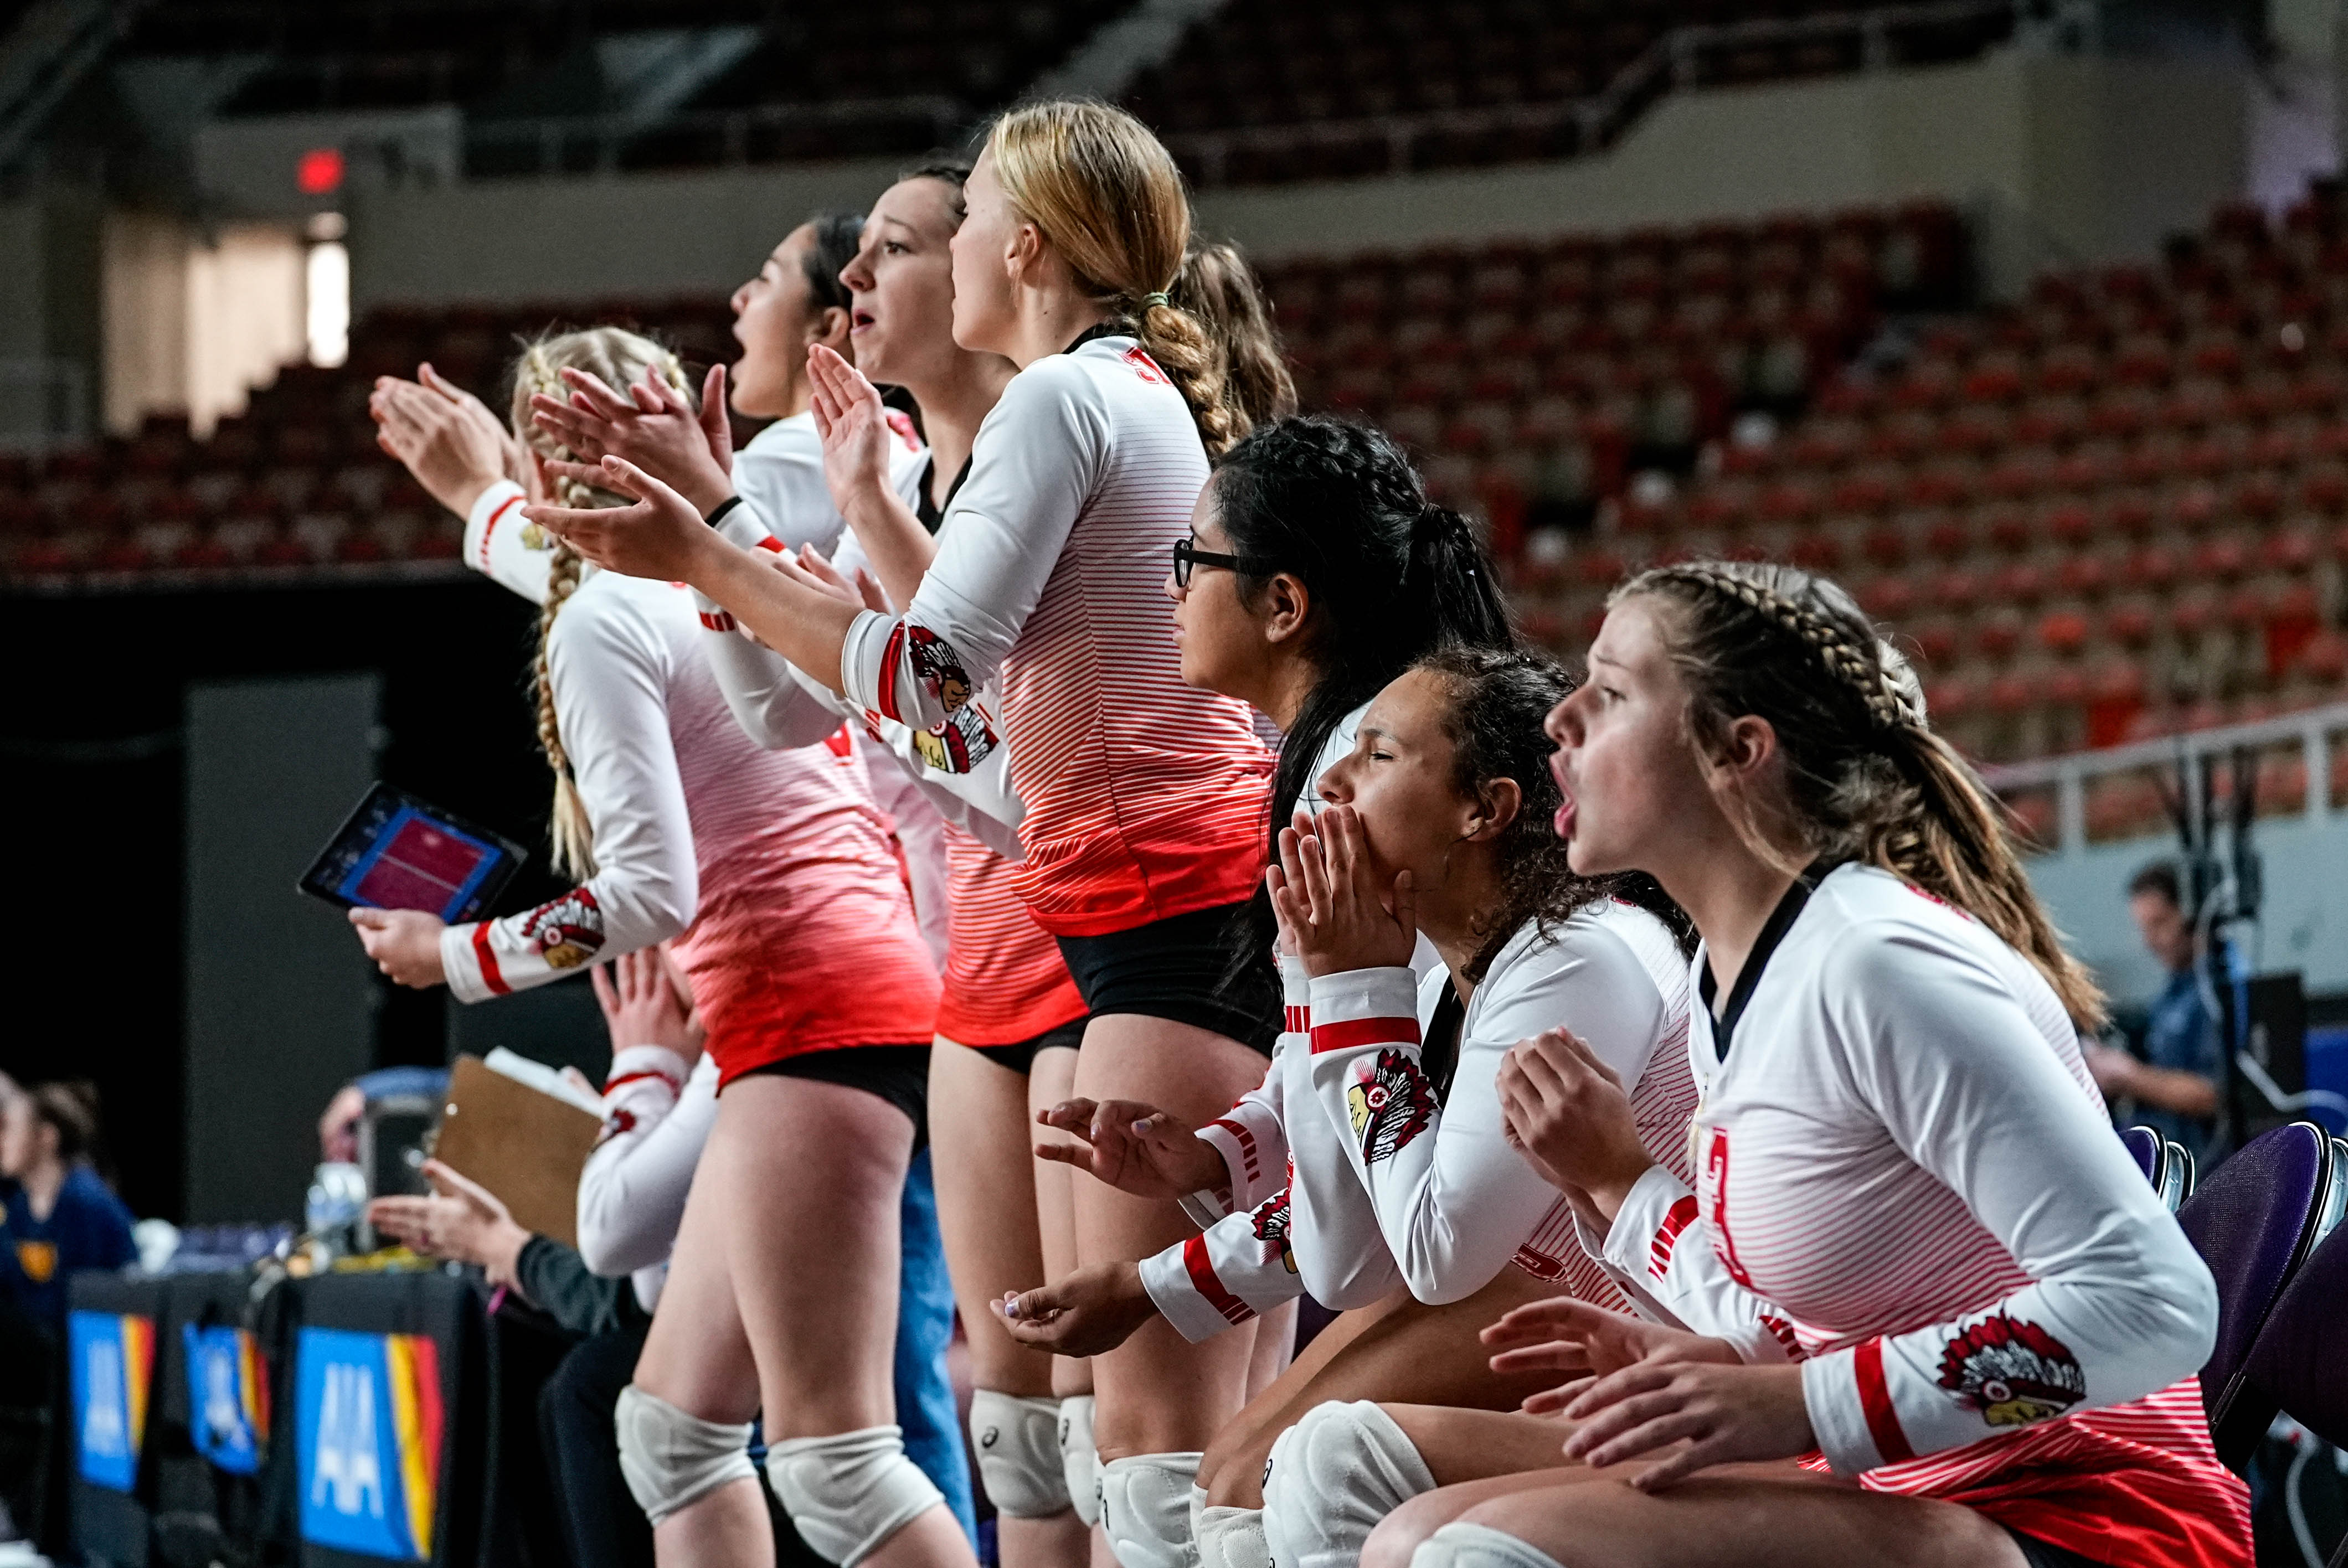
{"type": "Point", "coordinates": [1142, 794]}
{"type": "Point", "coordinates": [817, 995]}
{"type": "Point", "coordinates": [1986, 1318]}
{"type": "Point", "coordinates": [1438, 819]}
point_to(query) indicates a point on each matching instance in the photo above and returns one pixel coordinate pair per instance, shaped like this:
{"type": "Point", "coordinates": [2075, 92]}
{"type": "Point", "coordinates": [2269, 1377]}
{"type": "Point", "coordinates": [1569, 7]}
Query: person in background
{"type": "Point", "coordinates": [60, 1215]}
{"type": "Point", "coordinates": [2175, 1082]}
{"type": "Point", "coordinates": [338, 1127]}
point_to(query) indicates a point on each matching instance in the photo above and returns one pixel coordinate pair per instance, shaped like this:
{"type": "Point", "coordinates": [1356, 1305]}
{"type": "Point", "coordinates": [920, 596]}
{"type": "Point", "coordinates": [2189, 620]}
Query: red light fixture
{"type": "Point", "coordinates": [320, 171]}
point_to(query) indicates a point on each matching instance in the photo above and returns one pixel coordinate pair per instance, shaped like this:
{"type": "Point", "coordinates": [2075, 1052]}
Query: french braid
{"type": "Point", "coordinates": [1867, 778]}
{"type": "Point", "coordinates": [618, 358]}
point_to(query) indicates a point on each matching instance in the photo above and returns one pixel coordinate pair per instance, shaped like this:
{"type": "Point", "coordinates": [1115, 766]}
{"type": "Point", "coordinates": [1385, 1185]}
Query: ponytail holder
{"type": "Point", "coordinates": [1157, 298]}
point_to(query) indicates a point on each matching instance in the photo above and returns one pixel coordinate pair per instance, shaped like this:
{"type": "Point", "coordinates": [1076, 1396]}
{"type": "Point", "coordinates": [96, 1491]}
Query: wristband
{"type": "Point", "coordinates": [718, 515]}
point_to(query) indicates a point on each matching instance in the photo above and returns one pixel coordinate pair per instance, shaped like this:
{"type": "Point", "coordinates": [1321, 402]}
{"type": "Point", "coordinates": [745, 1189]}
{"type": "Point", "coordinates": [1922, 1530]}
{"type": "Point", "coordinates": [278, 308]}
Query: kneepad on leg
{"type": "Point", "coordinates": [850, 1492]}
{"type": "Point", "coordinates": [1146, 1509]}
{"type": "Point", "coordinates": [1017, 1443]}
{"type": "Point", "coordinates": [670, 1459]}
{"type": "Point", "coordinates": [1333, 1475]}
{"type": "Point", "coordinates": [1079, 1464]}
{"type": "Point", "coordinates": [1230, 1538]}
{"type": "Point", "coordinates": [1478, 1546]}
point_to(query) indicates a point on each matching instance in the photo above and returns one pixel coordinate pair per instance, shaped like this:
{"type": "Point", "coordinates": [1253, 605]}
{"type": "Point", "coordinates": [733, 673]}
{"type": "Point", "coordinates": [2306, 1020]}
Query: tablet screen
{"type": "Point", "coordinates": [398, 853]}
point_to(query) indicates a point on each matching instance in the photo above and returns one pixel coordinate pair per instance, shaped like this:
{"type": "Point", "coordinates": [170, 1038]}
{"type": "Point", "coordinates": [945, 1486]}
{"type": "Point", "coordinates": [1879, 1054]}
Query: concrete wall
{"type": "Point", "coordinates": [2063, 160]}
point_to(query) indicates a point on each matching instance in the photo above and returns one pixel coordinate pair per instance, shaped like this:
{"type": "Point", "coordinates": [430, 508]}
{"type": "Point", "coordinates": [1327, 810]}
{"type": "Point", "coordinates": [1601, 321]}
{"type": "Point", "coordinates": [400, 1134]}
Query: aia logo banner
{"type": "Point", "coordinates": [113, 1366]}
{"type": "Point", "coordinates": [369, 1430]}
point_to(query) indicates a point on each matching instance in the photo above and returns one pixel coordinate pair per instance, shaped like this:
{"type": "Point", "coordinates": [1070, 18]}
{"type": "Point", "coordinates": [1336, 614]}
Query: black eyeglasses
{"type": "Point", "coordinates": [1186, 555]}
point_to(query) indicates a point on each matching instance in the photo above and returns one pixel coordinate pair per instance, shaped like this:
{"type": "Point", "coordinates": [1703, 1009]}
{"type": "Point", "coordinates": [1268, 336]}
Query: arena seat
{"type": "Point", "coordinates": [2254, 1222]}
{"type": "Point", "coordinates": [2299, 1361]}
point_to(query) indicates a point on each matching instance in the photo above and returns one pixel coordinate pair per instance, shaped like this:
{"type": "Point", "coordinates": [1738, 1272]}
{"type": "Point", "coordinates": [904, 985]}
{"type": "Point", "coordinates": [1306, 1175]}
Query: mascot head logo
{"type": "Point", "coordinates": [1271, 1229]}
{"type": "Point", "coordinates": [938, 667]}
{"type": "Point", "coordinates": [1392, 1104]}
{"type": "Point", "coordinates": [2013, 1373]}
{"type": "Point", "coordinates": [567, 932]}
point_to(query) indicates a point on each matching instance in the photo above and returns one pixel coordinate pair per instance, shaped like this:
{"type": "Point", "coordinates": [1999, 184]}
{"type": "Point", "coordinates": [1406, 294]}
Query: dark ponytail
{"type": "Point", "coordinates": [837, 237]}
{"type": "Point", "coordinates": [1392, 577]}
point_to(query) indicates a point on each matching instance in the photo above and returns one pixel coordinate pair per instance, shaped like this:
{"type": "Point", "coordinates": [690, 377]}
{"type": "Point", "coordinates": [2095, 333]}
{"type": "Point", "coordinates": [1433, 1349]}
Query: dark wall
{"type": "Point", "coordinates": [90, 714]}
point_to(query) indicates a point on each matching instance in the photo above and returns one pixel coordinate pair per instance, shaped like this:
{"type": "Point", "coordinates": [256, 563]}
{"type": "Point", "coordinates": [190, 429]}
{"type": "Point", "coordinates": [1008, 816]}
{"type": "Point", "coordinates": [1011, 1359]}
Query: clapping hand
{"type": "Point", "coordinates": [854, 424]}
{"type": "Point", "coordinates": [654, 427]}
{"type": "Point", "coordinates": [462, 1220]}
{"type": "Point", "coordinates": [445, 436]}
{"type": "Point", "coordinates": [1328, 900]}
{"type": "Point", "coordinates": [655, 538]}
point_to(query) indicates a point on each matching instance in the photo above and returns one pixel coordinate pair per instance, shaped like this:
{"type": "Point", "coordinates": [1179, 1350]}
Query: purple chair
{"type": "Point", "coordinates": [2253, 1222]}
{"type": "Point", "coordinates": [2149, 1149]}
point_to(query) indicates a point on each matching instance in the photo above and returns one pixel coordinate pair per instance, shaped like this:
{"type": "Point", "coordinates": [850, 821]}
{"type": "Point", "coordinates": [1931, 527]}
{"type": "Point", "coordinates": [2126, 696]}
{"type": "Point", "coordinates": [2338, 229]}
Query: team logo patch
{"type": "Point", "coordinates": [2013, 1373]}
{"type": "Point", "coordinates": [959, 744]}
{"type": "Point", "coordinates": [567, 932]}
{"type": "Point", "coordinates": [1391, 1106]}
{"type": "Point", "coordinates": [1271, 1229]}
{"type": "Point", "coordinates": [938, 667]}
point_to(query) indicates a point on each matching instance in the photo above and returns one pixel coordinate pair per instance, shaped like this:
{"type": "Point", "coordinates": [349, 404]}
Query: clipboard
{"type": "Point", "coordinates": [521, 1143]}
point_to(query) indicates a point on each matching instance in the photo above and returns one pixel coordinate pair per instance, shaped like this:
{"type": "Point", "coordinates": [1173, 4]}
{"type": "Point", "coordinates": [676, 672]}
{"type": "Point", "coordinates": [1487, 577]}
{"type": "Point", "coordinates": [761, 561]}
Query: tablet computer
{"type": "Point", "coordinates": [397, 852]}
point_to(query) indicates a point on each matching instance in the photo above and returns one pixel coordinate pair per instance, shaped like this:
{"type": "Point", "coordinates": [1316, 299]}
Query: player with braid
{"type": "Point", "coordinates": [775, 872]}
{"type": "Point", "coordinates": [1143, 796]}
{"type": "Point", "coordinates": [1913, 1252]}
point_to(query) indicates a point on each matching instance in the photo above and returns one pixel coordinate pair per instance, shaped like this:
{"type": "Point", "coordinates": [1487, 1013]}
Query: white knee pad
{"type": "Point", "coordinates": [1079, 1464]}
{"type": "Point", "coordinates": [1017, 1441]}
{"type": "Point", "coordinates": [1478, 1546]}
{"type": "Point", "coordinates": [1333, 1475]}
{"type": "Point", "coordinates": [670, 1458]}
{"type": "Point", "coordinates": [1146, 1508]}
{"type": "Point", "coordinates": [1230, 1538]}
{"type": "Point", "coordinates": [849, 1493]}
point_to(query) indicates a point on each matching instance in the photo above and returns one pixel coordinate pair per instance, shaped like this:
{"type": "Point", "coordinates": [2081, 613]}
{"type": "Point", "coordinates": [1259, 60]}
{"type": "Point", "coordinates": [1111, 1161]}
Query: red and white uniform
{"type": "Point", "coordinates": [1144, 796]}
{"type": "Point", "coordinates": [1004, 982]}
{"type": "Point", "coordinates": [1385, 1186]}
{"type": "Point", "coordinates": [774, 867]}
{"type": "Point", "coordinates": [657, 1114]}
{"type": "Point", "coordinates": [1905, 1168]}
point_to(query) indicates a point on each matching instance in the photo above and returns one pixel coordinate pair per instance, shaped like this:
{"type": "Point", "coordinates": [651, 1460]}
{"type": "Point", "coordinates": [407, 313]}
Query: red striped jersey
{"type": "Point", "coordinates": [774, 868]}
{"type": "Point", "coordinates": [1407, 1190]}
{"type": "Point", "coordinates": [1144, 796]}
{"type": "Point", "coordinates": [1005, 982]}
{"type": "Point", "coordinates": [1903, 1165]}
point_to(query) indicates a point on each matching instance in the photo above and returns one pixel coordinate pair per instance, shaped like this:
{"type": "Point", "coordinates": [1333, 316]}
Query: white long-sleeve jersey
{"type": "Point", "coordinates": [1388, 1187]}
{"type": "Point", "coordinates": [1142, 793]}
{"type": "Point", "coordinates": [1905, 1165]}
{"type": "Point", "coordinates": [774, 866]}
{"type": "Point", "coordinates": [632, 1194]}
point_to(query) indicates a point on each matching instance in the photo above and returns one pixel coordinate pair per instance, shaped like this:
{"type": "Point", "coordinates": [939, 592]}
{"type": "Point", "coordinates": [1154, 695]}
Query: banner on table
{"type": "Point", "coordinates": [112, 1357]}
{"type": "Point", "coordinates": [367, 1426]}
{"type": "Point", "coordinates": [228, 1392]}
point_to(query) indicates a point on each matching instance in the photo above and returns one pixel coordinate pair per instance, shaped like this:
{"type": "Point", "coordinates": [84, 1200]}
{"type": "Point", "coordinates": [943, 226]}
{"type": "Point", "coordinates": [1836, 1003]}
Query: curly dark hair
{"type": "Point", "coordinates": [1498, 700]}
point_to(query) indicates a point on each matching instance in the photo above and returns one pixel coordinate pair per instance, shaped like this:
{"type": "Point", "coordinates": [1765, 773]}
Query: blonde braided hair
{"type": "Point", "coordinates": [1104, 191]}
{"type": "Point", "coordinates": [619, 358]}
{"type": "Point", "coordinates": [1867, 777]}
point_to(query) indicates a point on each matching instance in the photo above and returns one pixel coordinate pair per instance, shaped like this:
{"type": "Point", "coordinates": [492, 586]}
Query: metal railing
{"type": "Point", "coordinates": [1591, 123]}
{"type": "Point", "coordinates": [2313, 729]}
{"type": "Point", "coordinates": [556, 144]}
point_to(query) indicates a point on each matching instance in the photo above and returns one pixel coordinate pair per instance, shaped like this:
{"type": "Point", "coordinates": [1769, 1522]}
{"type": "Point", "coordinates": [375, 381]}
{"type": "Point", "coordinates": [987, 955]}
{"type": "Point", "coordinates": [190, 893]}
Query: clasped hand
{"type": "Point", "coordinates": [1643, 1387]}
{"type": "Point", "coordinates": [1328, 898]}
{"type": "Point", "coordinates": [653, 425]}
{"type": "Point", "coordinates": [1567, 1113]}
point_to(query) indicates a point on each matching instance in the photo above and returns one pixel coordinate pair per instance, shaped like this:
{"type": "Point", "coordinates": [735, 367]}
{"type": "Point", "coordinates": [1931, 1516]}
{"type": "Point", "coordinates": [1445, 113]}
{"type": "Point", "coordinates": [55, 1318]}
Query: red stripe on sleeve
{"type": "Point", "coordinates": [634, 1076]}
{"type": "Point", "coordinates": [1246, 1141]}
{"type": "Point", "coordinates": [1667, 1235]}
{"type": "Point", "coordinates": [491, 977]}
{"type": "Point", "coordinates": [1300, 1020]}
{"type": "Point", "coordinates": [771, 543]}
{"type": "Point", "coordinates": [1365, 1032]}
{"type": "Point", "coordinates": [507, 505]}
{"type": "Point", "coordinates": [1202, 1278]}
{"type": "Point", "coordinates": [1875, 1402]}
{"type": "Point", "coordinates": [717, 620]}
{"type": "Point", "coordinates": [891, 656]}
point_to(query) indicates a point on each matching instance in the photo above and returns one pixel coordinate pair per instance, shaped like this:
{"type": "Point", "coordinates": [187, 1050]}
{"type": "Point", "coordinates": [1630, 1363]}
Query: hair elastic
{"type": "Point", "coordinates": [1158, 297]}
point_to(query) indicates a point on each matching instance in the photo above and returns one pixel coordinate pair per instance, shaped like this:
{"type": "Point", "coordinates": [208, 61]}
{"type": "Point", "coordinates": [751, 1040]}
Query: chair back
{"type": "Point", "coordinates": [2147, 1146]}
{"type": "Point", "coordinates": [2177, 1175]}
{"type": "Point", "coordinates": [2301, 1359]}
{"type": "Point", "coordinates": [2253, 1222]}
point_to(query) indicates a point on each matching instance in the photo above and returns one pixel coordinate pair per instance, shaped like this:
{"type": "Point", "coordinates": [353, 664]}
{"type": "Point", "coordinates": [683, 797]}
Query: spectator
{"type": "Point", "coordinates": [2175, 1084]}
{"type": "Point", "coordinates": [338, 1129]}
{"type": "Point", "coordinates": [59, 1216]}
